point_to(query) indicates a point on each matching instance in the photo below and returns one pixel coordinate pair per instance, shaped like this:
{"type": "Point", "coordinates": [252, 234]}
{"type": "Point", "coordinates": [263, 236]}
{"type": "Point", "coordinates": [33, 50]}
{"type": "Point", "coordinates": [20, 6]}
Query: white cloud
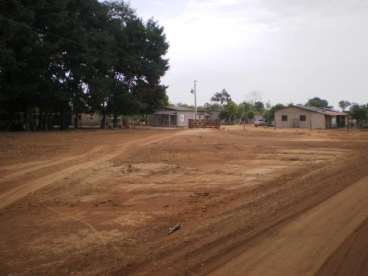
{"type": "Point", "coordinates": [213, 3]}
{"type": "Point", "coordinates": [288, 49]}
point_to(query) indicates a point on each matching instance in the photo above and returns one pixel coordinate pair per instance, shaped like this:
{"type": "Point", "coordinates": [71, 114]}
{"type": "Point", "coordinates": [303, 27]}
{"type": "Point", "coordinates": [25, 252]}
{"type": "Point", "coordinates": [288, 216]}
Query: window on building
{"type": "Point", "coordinates": [303, 118]}
{"type": "Point", "coordinates": [284, 118]}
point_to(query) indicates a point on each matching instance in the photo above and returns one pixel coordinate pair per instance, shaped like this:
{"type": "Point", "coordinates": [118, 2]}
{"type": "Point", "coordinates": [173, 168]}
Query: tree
{"type": "Point", "coordinates": [21, 62]}
{"type": "Point", "coordinates": [229, 112]}
{"type": "Point", "coordinates": [317, 102]}
{"type": "Point", "coordinates": [139, 62]}
{"type": "Point", "coordinates": [344, 104]}
{"type": "Point", "coordinates": [212, 107]}
{"type": "Point", "coordinates": [243, 110]}
{"type": "Point", "coordinates": [270, 113]}
{"type": "Point", "coordinates": [250, 115]}
{"type": "Point", "coordinates": [259, 107]}
{"type": "Point", "coordinates": [222, 97]}
{"type": "Point", "coordinates": [359, 113]}
{"type": "Point", "coordinates": [58, 57]}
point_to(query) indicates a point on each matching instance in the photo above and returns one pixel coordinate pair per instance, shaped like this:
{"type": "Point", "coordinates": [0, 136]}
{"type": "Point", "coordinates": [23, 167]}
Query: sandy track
{"type": "Point", "coordinates": [247, 216]}
{"type": "Point", "coordinates": [352, 256]}
{"type": "Point", "coordinates": [101, 202]}
{"type": "Point", "coordinates": [29, 187]}
{"type": "Point", "coordinates": [30, 167]}
{"type": "Point", "coordinates": [303, 245]}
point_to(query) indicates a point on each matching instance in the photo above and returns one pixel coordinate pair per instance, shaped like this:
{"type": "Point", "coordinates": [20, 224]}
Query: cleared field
{"type": "Point", "coordinates": [247, 200]}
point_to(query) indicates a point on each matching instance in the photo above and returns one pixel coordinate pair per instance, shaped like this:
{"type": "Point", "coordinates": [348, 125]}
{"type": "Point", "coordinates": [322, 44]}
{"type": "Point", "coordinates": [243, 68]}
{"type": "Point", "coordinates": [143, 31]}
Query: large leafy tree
{"type": "Point", "coordinates": [21, 60]}
{"type": "Point", "coordinates": [259, 107]}
{"type": "Point", "coordinates": [344, 104]}
{"type": "Point", "coordinates": [359, 113]}
{"type": "Point", "coordinates": [246, 111]}
{"type": "Point", "coordinates": [270, 113]}
{"type": "Point", "coordinates": [139, 62]}
{"type": "Point", "coordinates": [229, 112]}
{"type": "Point", "coordinates": [317, 102]}
{"type": "Point", "coordinates": [222, 97]}
{"type": "Point", "coordinates": [72, 55]}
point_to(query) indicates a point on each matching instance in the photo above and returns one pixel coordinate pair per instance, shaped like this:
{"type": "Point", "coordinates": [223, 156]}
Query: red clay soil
{"type": "Point", "coordinates": [102, 202]}
{"type": "Point", "coordinates": [351, 258]}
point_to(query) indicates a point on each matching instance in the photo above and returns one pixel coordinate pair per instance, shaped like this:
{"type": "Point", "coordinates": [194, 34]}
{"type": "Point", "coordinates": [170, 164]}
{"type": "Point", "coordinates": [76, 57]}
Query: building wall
{"type": "Point", "coordinates": [183, 118]}
{"type": "Point", "coordinates": [93, 120]}
{"type": "Point", "coordinates": [161, 117]}
{"type": "Point", "coordinates": [163, 120]}
{"type": "Point", "coordinates": [90, 120]}
{"type": "Point", "coordinates": [318, 120]}
{"type": "Point", "coordinates": [313, 119]}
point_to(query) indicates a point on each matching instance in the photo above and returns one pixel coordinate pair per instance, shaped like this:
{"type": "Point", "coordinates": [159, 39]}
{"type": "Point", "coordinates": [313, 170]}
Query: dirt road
{"type": "Point", "coordinates": [84, 162]}
{"type": "Point", "coordinates": [249, 202]}
{"type": "Point", "coordinates": [303, 245]}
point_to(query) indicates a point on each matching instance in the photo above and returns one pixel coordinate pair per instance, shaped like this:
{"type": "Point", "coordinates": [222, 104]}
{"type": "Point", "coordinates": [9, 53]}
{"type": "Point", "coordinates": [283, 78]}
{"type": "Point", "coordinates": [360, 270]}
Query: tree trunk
{"type": "Point", "coordinates": [40, 121]}
{"type": "Point", "coordinates": [49, 121]}
{"type": "Point", "coordinates": [76, 119]}
{"type": "Point", "coordinates": [103, 121]}
{"type": "Point", "coordinates": [27, 119]}
{"type": "Point", "coordinates": [64, 119]}
{"type": "Point", "coordinates": [115, 121]}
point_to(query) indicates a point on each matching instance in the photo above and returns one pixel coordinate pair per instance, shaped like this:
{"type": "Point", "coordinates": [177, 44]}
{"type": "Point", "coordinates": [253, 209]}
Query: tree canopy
{"type": "Point", "coordinates": [359, 113]}
{"type": "Point", "coordinates": [222, 97]}
{"type": "Point", "coordinates": [232, 112]}
{"type": "Point", "coordinates": [344, 104]}
{"type": "Point", "coordinates": [317, 102]}
{"type": "Point", "coordinates": [63, 57]}
{"type": "Point", "coordinates": [270, 113]}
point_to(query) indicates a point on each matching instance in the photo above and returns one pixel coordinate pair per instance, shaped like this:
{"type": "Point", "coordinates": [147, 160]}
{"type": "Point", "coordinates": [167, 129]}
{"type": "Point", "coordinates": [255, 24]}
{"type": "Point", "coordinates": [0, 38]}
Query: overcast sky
{"type": "Point", "coordinates": [287, 50]}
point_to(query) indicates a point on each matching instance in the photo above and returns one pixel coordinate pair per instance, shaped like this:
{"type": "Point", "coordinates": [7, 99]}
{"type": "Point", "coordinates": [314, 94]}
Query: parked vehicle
{"type": "Point", "coordinates": [260, 122]}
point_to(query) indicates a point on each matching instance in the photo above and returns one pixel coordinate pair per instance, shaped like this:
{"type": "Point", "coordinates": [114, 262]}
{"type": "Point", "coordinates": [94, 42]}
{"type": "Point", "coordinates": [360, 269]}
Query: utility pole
{"type": "Point", "coordinates": [195, 99]}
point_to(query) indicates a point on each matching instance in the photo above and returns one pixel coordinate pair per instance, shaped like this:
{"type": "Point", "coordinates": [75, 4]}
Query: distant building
{"type": "Point", "coordinates": [174, 116]}
{"type": "Point", "coordinates": [93, 120]}
{"type": "Point", "coordinates": [299, 116]}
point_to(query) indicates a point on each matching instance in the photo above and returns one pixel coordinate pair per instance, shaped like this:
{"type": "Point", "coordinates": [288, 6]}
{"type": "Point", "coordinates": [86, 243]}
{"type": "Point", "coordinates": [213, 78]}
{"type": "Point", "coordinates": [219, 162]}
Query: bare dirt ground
{"type": "Point", "coordinates": [249, 202]}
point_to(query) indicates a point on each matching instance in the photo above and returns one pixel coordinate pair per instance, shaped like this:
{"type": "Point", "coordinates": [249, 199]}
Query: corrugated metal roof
{"type": "Point", "coordinates": [328, 112]}
{"type": "Point", "coordinates": [178, 108]}
{"type": "Point", "coordinates": [335, 113]}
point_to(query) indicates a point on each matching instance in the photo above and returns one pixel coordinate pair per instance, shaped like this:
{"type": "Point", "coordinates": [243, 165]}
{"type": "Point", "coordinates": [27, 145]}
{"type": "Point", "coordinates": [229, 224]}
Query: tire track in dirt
{"type": "Point", "coordinates": [301, 246]}
{"type": "Point", "coordinates": [23, 169]}
{"type": "Point", "coordinates": [229, 235]}
{"type": "Point", "coordinates": [22, 165]}
{"type": "Point", "coordinates": [95, 232]}
{"type": "Point", "coordinates": [352, 256]}
{"type": "Point", "coordinates": [15, 194]}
